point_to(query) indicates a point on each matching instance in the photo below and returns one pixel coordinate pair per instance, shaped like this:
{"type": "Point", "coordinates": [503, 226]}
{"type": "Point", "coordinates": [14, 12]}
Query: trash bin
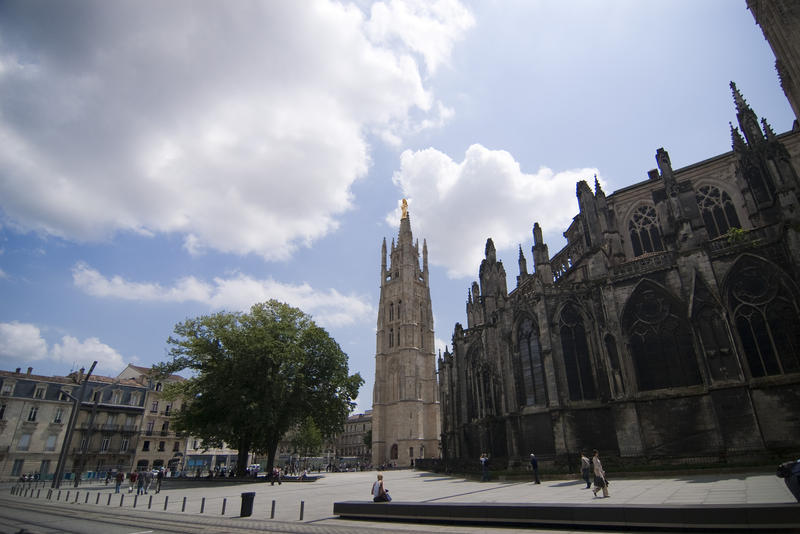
{"type": "Point", "coordinates": [247, 504]}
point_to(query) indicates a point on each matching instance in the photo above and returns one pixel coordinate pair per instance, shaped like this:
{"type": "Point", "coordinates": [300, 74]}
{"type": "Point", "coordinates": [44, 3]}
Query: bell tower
{"type": "Point", "coordinates": [405, 406]}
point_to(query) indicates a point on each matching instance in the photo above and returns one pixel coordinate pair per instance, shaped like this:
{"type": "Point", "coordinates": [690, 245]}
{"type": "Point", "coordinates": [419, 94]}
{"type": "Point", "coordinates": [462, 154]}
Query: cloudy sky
{"type": "Point", "coordinates": [163, 160]}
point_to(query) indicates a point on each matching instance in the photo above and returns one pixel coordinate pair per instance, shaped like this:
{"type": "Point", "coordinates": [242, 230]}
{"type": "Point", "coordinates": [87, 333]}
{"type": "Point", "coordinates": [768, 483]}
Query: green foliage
{"type": "Point", "coordinates": [736, 235]}
{"type": "Point", "coordinates": [255, 376]}
{"type": "Point", "coordinates": [307, 440]}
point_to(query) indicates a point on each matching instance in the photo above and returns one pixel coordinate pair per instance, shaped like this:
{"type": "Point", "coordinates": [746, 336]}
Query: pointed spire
{"type": "Point", "coordinates": [738, 99]}
{"type": "Point", "coordinates": [424, 256]}
{"type": "Point", "coordinates": [768, 129]}
{"type": "Point", "coordinates": [737, 142]}
{"type": "Point", "coordinates": [383, 256]}
{"type": "Point", "coordinates": [491, 253]}
{"type": "Point", "coordinates": [523, 264]}
{"type": "Point", "coordinates": [597, 189]}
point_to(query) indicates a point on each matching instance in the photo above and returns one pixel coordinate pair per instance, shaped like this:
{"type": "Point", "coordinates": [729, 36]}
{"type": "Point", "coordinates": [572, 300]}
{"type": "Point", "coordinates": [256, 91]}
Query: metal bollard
{"type": "Point", "coordinates": [121, 499]}
{"type": "Point", "coordinates": [272, 513]}
{"type": "Point", "coordinates": [66, 499]}
{"type": "Point", "coordinates": [202, 505]}
{"type": "Point", "coordinates": [97, 500]}
{"type": "Point", "coordinates": [135, 500]}
{"type": "Point", "coordinates": [109, 500]}
{"type": "Point", "coordinates": [166, 500]}
{"type": "Point", "coordinates": [302, 506]}
{"type": "Point", "coordinates": [183, 508]}
{"type": "Point", "coordinates": [58, 497]}
{"type": "Point", "coordinates": [77, 495]}
{"type": "Point", "coordinates": [87, 498]}
{"type": "Point", "coordinates": [224, 503]}
{"type": "Point", "coordinates": [150, 502]}
{"type": "Point", "coordinates": [38, 492]}
{"type": "Point", "coordinates": [49, 493]}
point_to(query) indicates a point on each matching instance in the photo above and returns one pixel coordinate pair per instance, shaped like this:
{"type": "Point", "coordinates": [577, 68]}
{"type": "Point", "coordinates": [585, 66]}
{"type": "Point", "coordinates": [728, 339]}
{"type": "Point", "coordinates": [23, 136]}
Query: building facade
{"type": "Point", "coordinates": [159, 446]}
{"type": "Point", "coordinates": [780, 22]}
{"type": "Point", "coordinates": [405, 411]}
{"type": "Point", "coordinates": [33, 423]}
{"type": "Point", "coordinates": [666, 330]}
{"type": "Point", "coordinates": [351, 442]}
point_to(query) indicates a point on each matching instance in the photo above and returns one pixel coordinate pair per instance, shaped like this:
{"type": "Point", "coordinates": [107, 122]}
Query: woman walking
{"type": "Point", "coordinates": [599, 475]}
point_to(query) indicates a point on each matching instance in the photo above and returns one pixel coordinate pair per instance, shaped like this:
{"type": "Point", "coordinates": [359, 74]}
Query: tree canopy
{"type": "Point", "coordinates": [257, 375]}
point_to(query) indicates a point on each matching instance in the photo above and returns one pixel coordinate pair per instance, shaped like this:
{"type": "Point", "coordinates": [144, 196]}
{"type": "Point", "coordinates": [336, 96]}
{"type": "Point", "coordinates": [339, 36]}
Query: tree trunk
{"type": "Point", "coordinates": [272, 448]}
{"type": "Point", "coordinates": [241, 458]}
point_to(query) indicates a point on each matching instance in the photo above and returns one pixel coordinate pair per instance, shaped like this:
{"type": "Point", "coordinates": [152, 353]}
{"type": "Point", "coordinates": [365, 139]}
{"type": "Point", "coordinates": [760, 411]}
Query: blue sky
{"type": "Point", "coordinates": [160, 161]}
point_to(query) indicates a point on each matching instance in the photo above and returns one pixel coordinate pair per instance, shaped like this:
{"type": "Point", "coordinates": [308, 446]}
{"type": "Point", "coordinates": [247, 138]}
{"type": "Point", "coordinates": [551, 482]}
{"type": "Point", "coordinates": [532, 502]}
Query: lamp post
{"type": "Point", "coordinates": [73, 418]}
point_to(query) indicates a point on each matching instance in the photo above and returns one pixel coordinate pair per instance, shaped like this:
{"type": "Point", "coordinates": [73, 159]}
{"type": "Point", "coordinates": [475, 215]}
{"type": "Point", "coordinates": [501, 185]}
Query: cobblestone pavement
{"type": "Point", "coordinates": [317, 498]}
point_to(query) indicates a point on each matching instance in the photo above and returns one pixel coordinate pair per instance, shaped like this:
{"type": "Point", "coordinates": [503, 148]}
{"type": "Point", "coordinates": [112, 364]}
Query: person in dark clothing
{"type": "Point", "coordinates": [586, 468]}
{"type": "Point", "coordinates": [790, 471]}
{"type": "Point", "coordinates": [535, 467]}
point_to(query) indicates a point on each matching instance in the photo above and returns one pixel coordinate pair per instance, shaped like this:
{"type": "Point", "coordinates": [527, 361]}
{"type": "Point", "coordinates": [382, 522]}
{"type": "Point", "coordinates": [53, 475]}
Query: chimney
{"type": "Point", "coordinates": [30, 370]}
{"type": "Point", "coordinates": [17, 371]}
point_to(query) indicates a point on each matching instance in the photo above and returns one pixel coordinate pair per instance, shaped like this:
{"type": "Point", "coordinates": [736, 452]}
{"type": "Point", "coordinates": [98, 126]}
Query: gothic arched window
{"type": "Point", "coordinates": [760, 185]}
{"type": "Point", "coordinates": [644, 232]}
{"type": "Point", "coordinates": [719, 213]}
{"type": "Point", "coordinates": [391, 311]}
{"type": "Point", "coordinates": [576, 354]}
{"type": "Point", "coordinates": [531, 378]}
{"type": "Point", "coordinates": [660, 340]}
{"type": "Point", "coordinates": [765, 312]}
{"type": "Point", "coordinates": [391, 337]}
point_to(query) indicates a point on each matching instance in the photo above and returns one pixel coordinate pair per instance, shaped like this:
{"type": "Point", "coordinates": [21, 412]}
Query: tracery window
{"type": "Point", "coordinates": [576, 354]}
{"type": "Point", "coordinates": [660, 340]}
{"type": "Point", "coordinates": [760, 185]}
{"type": "Point", "coordinates": [767, 318]}
{"type": "Point", "coordinates": [531, 389]}
{"type": "Point", "coordinates": [644, 232]}
{"type": "Point", "coordinates": [719, 213]}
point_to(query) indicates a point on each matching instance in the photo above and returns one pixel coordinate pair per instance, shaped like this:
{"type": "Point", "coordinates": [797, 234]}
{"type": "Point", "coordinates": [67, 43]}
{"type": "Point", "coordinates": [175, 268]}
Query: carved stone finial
{"type": "Point", "coordinates": [404, 208]}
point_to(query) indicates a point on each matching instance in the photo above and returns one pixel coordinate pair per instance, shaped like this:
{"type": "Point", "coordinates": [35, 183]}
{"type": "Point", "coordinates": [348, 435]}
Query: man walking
{"type": "Point", "coordinates": [484, 467]}
{"type": "Point", "coordinates": [586, 467]}
{"type": "Point", "coordinates": [535, 467]}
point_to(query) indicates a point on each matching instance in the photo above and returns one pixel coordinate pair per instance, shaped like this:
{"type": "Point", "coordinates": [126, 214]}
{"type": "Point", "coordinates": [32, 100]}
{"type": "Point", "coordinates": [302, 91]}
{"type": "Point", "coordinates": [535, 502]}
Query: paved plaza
{"type": "Point", "coordinates": [413, 486]}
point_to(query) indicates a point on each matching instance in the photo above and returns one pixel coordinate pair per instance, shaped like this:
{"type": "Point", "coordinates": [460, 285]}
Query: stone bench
{"type": "Point", "coordinates": [727, 517]}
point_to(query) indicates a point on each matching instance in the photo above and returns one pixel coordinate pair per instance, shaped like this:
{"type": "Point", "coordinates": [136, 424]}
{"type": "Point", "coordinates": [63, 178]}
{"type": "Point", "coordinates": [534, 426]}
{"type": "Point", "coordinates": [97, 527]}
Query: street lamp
{"type": "Point", "coordinates": [73, 417]}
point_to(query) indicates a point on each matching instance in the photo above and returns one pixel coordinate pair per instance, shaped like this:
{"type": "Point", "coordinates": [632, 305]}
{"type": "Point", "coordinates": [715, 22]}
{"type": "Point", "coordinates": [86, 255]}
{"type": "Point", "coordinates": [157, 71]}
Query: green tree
{"type": "Point", "coordinates": [256, 375]}
{"type": "Point", "coordinates": [307, 439]}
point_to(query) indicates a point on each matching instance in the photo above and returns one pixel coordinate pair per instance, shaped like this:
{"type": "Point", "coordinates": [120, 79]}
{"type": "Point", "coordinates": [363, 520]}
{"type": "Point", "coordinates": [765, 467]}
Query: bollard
{"type": "Point", "coordinates": [87, 498]}
{"type": "Point", "coordinates": [202, 505]}
{"type": "Point", "coordinates": [183, 508]}
{"type": "Point", "coordinates": [26, 493]}
{"type": "Point", "coordinates": [166, 500]}
{"type": "Point", "coordinates": [109, 500]}
{"type": "Point", "coordinates": [224, 503]}
{"type": "Point", "coordinates": [302, 506]}
{"type": "Point", "coordinates": [38, 493]}
{"type": "Point", "coordinates": [272, 513]}
{"type": "Point", "coordinates": [66, 499]}
{"type": "Point", "coordinates": [49, 493]}
{"type": "Point", "coordinates": [135, 500]}
{"type": "Point", "coordinates": [150, 502]}
{"type": "Point", "coordinates": [97, 500]}
{"type": "Point", "coordinates": [77, 495]}
{"type": "Point", "coordinates": [121, 499]}
{"type": "Point", "coordinates": [58, 497]}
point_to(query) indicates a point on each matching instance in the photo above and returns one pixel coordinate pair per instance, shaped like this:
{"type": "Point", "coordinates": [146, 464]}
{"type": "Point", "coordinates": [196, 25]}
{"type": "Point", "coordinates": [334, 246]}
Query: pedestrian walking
{"type": "Point", "coordinates": [140, 484]}
{"type": "Point", "coordinates": [600, 482]}
{"type": "Point", "coordinates": [484, 467]}
{"type": "Point", "coordinates": [586, 467]}
{"type": "Point", "coordinates": [535, 468]}
{"type": "Point", "coordinates": [159, 480]}
{"type": "Point", "coordinates": [118, 479]}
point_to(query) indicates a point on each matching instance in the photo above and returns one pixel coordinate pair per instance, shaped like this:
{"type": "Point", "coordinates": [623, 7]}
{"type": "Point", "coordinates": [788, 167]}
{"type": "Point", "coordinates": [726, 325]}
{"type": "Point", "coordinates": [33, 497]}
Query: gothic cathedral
{"type": "Point", "coordinates": [405, 408]}
{"type": "Point", "coordinates": [666, 331]}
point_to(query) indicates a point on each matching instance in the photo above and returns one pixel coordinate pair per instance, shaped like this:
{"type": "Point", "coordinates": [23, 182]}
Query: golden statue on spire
{"type": "Point", "coordinates": [404, 208]}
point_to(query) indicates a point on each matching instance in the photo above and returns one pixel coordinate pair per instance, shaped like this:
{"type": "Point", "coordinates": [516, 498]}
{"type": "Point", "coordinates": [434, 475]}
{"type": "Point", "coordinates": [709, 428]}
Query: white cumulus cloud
{"type": "Point", "coordinates": [239, 127]}
{"type": "Point", "coordinates": [239, 292]}
{"type": "Point", "coordinates": [24, 342]}
{"type": "Point", "coordinates": [458, 205]}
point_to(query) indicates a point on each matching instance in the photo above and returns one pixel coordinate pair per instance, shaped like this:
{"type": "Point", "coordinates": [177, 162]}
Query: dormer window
{"type": "Point", "coordinates": [39, 392]}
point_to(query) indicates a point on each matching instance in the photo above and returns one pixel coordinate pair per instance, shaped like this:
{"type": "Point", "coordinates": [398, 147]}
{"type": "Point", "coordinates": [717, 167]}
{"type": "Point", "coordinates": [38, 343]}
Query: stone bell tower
{"type": "Point", "coordinates": [405, 406]}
